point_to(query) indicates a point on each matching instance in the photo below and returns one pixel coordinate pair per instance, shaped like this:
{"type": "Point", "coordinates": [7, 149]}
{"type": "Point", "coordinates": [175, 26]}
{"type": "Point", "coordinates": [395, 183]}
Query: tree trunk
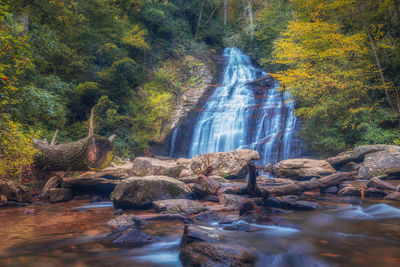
{"type": "Point", "coordinates": [199, 21]}
{"type": "Point", "coordinates": [252, 188]}
{"type": "Point", "coordinates": [300, 187]}
{"type": "Point", "coordinates": [91, 153]}
{"type": "Point", "coordinates": [225, 11]}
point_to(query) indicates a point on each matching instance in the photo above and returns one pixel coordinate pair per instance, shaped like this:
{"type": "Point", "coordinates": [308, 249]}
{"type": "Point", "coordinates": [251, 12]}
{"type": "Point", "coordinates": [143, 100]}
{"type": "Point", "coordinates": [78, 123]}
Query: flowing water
{"type": "Point", "coordinates": [69, 234]}
{"type": "Point", "coordinates": [237, 115]}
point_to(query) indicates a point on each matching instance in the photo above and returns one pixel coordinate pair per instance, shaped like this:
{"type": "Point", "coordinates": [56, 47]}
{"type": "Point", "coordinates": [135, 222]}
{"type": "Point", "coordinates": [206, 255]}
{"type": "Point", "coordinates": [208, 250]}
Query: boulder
{"type": "Point", "coordinates": [145, 166]}
{"type": "Point", "coordinates": [393, 196]}
{"type": "Point", "coordinates": [303, 168]}
{"type": "Point", "coordinates": [100, 186]}
{"type": "Point", "coordinates": [214, 254]}
{"type": "Point", "coordinates": [226, 164]}
{"type": "Point", "coordinates": [246, 207]}
{"type": "Point", "coordinates": [374, 192]}
{"type": "Point", "coordinates": [60, 195]}
{"type": "Point", "coordinates": [178, 206]}
{"type": "Point", "coordinates": [194, 233]}
{"type": "Point", "coordinates": [234, 201]}
{"type": "Point", "coordinates": [332, 190]}
{"type": "Point", "coordinates": [205, 186]}
{"type": "Point", "coordinates": [14, 192]}
{"type": "Point", "coordinates": [53, 182]}
{"type": "Point", "coordinates": [230, 188]}
{"type": "Point", "coordinates": [383, 162]}
{"type": "Point", "coordinates": [349, 192]}
{"type": "Point", "coordinates": [379, 184]}
{"type": "Point", "coordinates": [290, 203]}
{"type": "Point", "coordinates": [125, 221]}
{"type": "Point", "coordinates": [129, 237]}
{"type": "Point", "coordinates": [357, 154]}
{"type": "Point", "coordinates": [140, 192]}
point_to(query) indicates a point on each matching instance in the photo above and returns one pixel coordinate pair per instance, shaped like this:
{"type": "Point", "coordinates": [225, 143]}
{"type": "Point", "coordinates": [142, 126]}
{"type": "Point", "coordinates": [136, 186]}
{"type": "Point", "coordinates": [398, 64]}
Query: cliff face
{"type": "Point", "coordinates": [200, 74]}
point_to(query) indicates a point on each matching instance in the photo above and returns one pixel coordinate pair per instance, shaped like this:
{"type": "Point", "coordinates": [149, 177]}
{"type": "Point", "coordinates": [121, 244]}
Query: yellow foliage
{"type": "Point", "coordinates": [16, 150]}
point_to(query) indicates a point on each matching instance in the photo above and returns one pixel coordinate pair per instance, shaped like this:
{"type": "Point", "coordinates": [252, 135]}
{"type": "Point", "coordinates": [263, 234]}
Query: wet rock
{"type": "Point", "coordinates": [239, 226]}
{"type": "Point", "coordinates": [219, 208]}
{"type": "Point", "coordinates": [230, 188]}
{"type": "Point", "coordinates": [166, 217]}
{"type": "Point", "coordinates": [211, 198]}
{"type": "Point", "coordinates": [194, 233]}
{"type": "Point", "coordinates": [213, 254]}
{"type": "Point", "coordinates": [140, 192]}
{"type": "Point", "coordinates": [30, 211]}
{"type": "Point", "coordinates": [332, 190]}
{"type": "Point", "coordinates": [130, 237]}
{"type": "Point", "coordinates": [146, 166]}
{"type": "Point", "coordinates": [234, 201]}
{"type": "Point", "coordinates": [205, 186]}
{"type": "Point", "coordinates": [311, 194]}
{"type": "Point", "coordinates": [124, 221]}
{"type": "Point", "coordinates": [60, 195]}
{"type": "Point", "coordinates": [14, 192]}
{"type": "Point", "coordinates": [303, 168]}
{"type": "Point", "coordinates": [96, 199]}
{"type": "Point", "coordinates": [374, 192]}
{"type": "Point", "coordinates": [290, 203]}
{"type": "Point", "coordinates": [178, 206]}
{"type": "Point", "coordinates": [246, 207]}
{"type": "Point", "coordinates": [118, 212]}
{"type": "Point", "coordinates": [349, 191]}
{"type": "Point", "coordinates": [379, 184]}
{"type": "Point", "coordinates": [393, 196]}
{"type": "Point", "coordinates": [53, 182]}
{"type": "Point", "coordinates": [207, 215]}
{"type": "Point", "coordinates": [100, 186]}
{"type": "Point", "coordinates": [225, 164]}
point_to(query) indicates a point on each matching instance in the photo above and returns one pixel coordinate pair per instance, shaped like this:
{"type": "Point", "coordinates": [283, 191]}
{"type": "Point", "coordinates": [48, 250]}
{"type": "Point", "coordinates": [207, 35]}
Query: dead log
{"type": "Point", "coordinates": [298, 188]}
{"type": "Point", "coordinates": [91, 153]}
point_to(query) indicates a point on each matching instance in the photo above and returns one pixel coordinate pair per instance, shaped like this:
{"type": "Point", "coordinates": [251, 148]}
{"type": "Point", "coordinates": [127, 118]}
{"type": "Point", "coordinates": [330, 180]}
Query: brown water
{"type": "Point", "coordinates": [339, 234]}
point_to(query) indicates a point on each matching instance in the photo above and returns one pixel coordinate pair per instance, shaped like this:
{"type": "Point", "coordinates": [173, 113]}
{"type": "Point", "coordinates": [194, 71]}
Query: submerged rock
{"type": "Point", "coordinates": [145, 166]}
{"type": "Point", "coordinates": [14, 192]}
{"type": "Point", "coordinates": [225, 164]}
{"type": "Point", "coordinates": [140, 192]}
{"type": "Point", "coordinates": [60, 195]}
{"type": "Point", "coordinates": [214, 254]}
{"type": "Point", "coordinates": [178, 206]}
{"type": "Point", "coordinates": [303, 168]}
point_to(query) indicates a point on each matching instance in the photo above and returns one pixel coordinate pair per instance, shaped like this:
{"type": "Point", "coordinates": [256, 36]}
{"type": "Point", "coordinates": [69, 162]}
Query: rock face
{"type": "Point", "coordinates": [60, 195]}
{"type": "Point", "coordinates": [225, 164]}
{"type": "Point", "coordinates": [303, 168]}
{"type": "Point", "coordinates": [213, 254]}
{"type": "Point", "coordinates": [186, 206]}
{"type": "Point", "coordinates": [140, 192]}
{"type": "Point", "coordinates": [14, 192]}
{"type": "Point", "coordinates": [101, 186]}
{"type": "Point", "coordinates": [145, 166]}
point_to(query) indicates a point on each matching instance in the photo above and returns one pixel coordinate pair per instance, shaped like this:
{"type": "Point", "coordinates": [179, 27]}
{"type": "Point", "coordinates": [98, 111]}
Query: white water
{"type": "Point", "coordinates": [235, 117]}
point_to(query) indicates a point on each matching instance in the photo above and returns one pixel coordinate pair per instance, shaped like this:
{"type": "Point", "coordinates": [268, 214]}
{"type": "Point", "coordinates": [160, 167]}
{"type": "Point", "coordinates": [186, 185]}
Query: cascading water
{"type": "Point", "coordinates": [238, 116]}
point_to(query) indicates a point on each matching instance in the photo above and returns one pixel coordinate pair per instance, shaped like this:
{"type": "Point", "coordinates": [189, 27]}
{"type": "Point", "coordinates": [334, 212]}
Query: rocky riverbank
{"type": "Point", "coordinates": [213, 188]}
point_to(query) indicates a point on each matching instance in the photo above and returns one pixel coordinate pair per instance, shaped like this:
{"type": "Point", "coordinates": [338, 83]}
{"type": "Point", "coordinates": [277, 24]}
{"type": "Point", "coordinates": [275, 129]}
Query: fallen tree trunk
{"type": "Point", "coordinates": [91, 153]}
{"type": "Point", "coordinates": [298, 188]}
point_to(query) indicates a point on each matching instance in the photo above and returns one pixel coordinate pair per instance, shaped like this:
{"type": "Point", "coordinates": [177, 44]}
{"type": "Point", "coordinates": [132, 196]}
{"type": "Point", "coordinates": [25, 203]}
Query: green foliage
{"type": "Point", "coordinates": [16, 150]}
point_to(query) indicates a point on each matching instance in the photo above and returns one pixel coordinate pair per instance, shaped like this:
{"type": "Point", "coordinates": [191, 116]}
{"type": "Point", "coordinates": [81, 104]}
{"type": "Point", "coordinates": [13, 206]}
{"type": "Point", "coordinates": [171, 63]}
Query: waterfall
{"type": "Point", "coordinates": [173, 141]}
{"type": "Point", "coordinates": [238, 115]}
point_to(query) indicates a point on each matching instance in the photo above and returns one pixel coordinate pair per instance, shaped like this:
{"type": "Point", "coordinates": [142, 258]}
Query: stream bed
{"type": "Point", "coordinates": [70, 234]}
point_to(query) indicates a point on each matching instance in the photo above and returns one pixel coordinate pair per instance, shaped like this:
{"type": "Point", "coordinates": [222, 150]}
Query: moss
{"type": "Point", "coordinates": [174, 191]}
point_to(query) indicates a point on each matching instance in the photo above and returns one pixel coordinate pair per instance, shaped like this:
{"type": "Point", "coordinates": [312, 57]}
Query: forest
{"type": "Point", "coordinates": [60, 58]}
